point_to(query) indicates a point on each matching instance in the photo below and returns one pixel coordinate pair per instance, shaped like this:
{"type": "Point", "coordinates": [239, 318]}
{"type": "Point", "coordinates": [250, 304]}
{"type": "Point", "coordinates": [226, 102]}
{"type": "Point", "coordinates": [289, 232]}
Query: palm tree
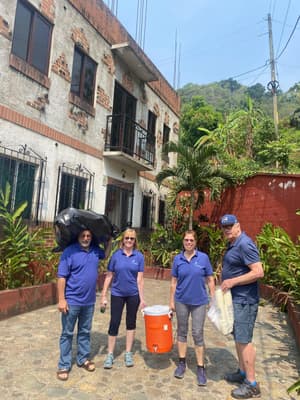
{"type": "Point", "coordinates": [196, 171]}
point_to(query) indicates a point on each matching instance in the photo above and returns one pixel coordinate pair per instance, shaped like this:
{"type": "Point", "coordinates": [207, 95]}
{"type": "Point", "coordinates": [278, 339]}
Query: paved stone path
{"type": "Point", "coordinates": [29, 353]}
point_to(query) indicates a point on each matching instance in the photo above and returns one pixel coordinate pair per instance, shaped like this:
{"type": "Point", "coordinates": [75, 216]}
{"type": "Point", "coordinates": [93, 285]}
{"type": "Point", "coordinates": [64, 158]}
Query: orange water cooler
{"type": "Point", "coordinates": [158, 326]}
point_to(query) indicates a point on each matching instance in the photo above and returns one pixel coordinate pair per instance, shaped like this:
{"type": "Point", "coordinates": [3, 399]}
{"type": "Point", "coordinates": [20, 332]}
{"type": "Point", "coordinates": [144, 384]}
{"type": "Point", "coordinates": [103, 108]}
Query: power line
{"type": "Point", "coordinates": [283, 27]}
{"type": "Point", "coordinates": [258, 76]}
{"type": "Point", "coordinates": [291, 35]}
{"type": "Point", "coordinates": [274, 7]}
{"type": "Point", "coordinates": [252, 70]}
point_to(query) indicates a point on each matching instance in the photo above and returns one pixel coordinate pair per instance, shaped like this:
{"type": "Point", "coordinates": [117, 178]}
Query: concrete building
{"type": "Point", "coordinates": [83, 113]}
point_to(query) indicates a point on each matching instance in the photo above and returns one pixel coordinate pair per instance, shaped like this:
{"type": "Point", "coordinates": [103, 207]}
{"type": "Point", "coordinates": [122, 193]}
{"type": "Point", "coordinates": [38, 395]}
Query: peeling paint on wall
{"type": "Point", "coordinates": [287, 185]}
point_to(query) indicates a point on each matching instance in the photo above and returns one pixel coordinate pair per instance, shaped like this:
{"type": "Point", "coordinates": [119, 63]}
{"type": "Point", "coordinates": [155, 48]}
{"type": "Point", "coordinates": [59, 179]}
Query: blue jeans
{"type": "Point", "coordinates": [84, 316]}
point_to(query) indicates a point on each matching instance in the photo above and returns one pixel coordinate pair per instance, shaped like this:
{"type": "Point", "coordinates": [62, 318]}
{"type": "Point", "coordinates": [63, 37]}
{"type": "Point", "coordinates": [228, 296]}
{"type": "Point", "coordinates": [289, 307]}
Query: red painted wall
{"type": "Point", "coordinates": [261, 199]}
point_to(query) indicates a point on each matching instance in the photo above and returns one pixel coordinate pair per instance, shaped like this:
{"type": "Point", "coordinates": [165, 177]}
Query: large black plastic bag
{"type": "Point", "coordinates": [71, 221]}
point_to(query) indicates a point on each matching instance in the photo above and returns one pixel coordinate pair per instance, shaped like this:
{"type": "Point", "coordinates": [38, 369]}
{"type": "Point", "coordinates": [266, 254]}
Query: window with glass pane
{"type": "Point", "coordinates": [146, 212]}
{"type": "Point", "coordinates": [32, 36]}
{"type": "Point", "coordinates": [151, 128]}
{"type": "Point", "coordinates": [166, 137]}
{"type": "Point", "coordinates": [166, 134]}
{"type": "Point", "coordinates": [83, 76]}
{"type": "Point", "coordinates": [20, 175]}
{"type": "Point", "coordinates": [72, 192]}
{"type": "Point", "coordinates": [119, 203]}
{"type": "Point", "coordinates": [76, 72]}
{"type": "Point", "coordinates": [162, 212]}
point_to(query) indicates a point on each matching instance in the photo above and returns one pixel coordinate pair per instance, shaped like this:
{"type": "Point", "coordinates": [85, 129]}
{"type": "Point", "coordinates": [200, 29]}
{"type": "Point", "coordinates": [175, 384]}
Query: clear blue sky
{"type": "Point", "coordinates": [219, 39]}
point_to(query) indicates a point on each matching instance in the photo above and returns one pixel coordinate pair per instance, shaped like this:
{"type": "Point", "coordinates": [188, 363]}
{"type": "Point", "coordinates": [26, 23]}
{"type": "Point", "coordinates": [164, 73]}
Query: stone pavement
{"type": "Point", "coordinates": [29, 353]}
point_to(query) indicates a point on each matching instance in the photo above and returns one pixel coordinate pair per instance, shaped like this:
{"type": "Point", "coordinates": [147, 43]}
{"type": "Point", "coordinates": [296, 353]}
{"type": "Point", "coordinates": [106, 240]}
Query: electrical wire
{"type": "Point", "coordinates": [274, 7]}
{"type": "Point", "coordinates": [291, 35]}
{"type": "Point", "coordinates": [284, 25]}
{"type": "Point", "coordinates": [258, 76]}
{"type": "Point", "coordinates": [252, 70]}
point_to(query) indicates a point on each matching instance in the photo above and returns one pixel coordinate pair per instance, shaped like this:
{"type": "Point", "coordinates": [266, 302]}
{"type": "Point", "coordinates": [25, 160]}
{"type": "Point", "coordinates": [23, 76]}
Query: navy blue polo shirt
{"type": "Point", "coordinates": [191, 278]}
{"type": "Point", "coordinates": [80, 269]}
{"type": "Point", "coordinates": [125, 269]}
{"type": "Point", "coordinates": [238, 256]}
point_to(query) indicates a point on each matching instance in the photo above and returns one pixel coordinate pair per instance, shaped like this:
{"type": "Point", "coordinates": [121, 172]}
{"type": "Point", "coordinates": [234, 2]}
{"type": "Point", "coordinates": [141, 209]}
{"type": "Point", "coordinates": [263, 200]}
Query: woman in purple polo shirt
{"type": "Point", "coordinates": [126, 276]}
{"type": "Point", "coordinates": [191, 271]}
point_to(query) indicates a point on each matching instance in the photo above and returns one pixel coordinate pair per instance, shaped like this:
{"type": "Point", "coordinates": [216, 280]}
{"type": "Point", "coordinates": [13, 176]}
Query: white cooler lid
{"type": "Point", "coordinates": [156, 310]}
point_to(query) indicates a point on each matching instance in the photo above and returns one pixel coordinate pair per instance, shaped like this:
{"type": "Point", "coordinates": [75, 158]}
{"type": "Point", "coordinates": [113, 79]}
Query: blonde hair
{"type": "Point", "coordinates": [128, 232]}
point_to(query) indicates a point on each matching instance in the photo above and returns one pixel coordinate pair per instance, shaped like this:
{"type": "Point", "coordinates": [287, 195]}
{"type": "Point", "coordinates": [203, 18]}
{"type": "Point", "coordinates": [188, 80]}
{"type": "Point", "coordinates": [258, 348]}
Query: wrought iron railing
{"type": "Point", "coordinates": [125, 135]}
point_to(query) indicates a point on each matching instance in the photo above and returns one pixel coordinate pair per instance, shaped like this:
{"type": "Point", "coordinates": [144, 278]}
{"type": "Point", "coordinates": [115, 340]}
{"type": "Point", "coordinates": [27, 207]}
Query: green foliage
{"type": "Point", "coordinates": [18, 246]}
{"type": "Point", "coordinates": [228, 95]}
{"type": "Point", "coordinates": [294, 387]}
{"type": "Point", "coordinates": [115, 245]}
{"type": "Point", "coordinates": [194, 114]}
{"type": "Point", "coordinates": [247, 130]}
{"type": "Point", "coordinates": [256, 92]}
{"type": "Point", "coordinates": [277, 151]}
{"type": "Point", "coordinates": [195, 172]}
{"type": "Point", "coordinates": [224, 96]}
{"type": "Point", "coordinates": [281, 260]}
{"type": "Point", "coordinates": [212, 242]}
{"type": "Point", "coordinates": [164, 245]}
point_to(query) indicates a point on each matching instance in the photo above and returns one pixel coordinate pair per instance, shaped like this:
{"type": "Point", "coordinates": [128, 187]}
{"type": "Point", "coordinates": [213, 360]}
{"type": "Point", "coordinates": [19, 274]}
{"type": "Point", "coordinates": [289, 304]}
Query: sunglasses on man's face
{"type": "Point", "coordinates": [129, 238]}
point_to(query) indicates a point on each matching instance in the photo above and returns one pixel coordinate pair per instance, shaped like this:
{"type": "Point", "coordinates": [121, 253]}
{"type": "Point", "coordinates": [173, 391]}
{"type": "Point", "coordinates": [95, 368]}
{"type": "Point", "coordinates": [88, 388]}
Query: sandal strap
{"type": "Point", "coordinates": [88, 365]}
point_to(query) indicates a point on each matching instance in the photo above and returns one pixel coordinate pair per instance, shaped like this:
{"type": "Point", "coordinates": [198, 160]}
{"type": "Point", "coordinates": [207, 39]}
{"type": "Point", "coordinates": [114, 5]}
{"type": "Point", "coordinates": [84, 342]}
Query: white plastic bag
{"type": "Point", "coordinates": [221, 311]}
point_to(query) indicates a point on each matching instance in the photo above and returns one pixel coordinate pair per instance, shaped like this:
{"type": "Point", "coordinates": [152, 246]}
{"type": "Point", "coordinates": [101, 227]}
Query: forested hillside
{"type": "Point", "coordinates": [228, 95]}
{"type": "Point", "coordinates": [238, 121]}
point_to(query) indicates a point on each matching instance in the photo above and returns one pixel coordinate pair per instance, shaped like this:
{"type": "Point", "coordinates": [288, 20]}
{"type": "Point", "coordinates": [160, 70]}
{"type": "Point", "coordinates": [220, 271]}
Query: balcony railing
{"type": "Point", "coordinates": [127, 136]}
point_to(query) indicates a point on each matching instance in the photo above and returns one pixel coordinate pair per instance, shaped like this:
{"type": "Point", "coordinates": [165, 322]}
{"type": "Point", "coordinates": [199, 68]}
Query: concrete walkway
{"type": "Point", "coordinates": [29, 353]}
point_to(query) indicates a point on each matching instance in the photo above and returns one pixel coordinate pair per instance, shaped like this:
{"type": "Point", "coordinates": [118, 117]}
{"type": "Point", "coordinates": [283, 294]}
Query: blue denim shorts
{"type": "Point", "coordinates": [244, 320]}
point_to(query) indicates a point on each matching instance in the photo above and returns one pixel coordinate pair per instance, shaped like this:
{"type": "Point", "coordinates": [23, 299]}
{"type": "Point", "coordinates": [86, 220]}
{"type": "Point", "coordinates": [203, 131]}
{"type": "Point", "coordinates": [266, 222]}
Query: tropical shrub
{"type": "Point", "coordinates": [19, 248]}
{"type": "Point", "coordinates": [281, 260]}
{"type": "Point", "coordinates": [212, 242]}
{"type": "Point", "coordinates": [164, 245]}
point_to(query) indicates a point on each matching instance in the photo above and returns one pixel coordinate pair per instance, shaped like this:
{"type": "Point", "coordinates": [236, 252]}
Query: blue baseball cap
{"type": "Point", "coordinates": [228, 219]}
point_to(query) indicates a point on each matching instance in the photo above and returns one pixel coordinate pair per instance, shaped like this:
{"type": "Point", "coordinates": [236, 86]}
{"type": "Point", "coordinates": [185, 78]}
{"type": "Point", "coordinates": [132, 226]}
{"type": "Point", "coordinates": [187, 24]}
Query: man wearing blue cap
{"type": "Point", "coordinates": [240, 273]}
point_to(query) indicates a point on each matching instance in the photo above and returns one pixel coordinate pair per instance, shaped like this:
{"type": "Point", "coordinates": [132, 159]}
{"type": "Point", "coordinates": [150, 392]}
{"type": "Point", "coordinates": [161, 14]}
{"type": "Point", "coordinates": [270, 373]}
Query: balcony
{"type": "Point", "coordinates": [129, 142]}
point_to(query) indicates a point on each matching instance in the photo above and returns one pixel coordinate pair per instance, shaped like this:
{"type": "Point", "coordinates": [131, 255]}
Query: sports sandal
{"type": "Point", "coordinates": [88, 366]}
{"type": "Point", "coordinates": [62, 374]}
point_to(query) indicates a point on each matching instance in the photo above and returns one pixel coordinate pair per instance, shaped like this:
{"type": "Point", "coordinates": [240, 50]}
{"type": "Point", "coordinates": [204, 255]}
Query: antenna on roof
{"type": "Point", "coordinates": [113, 6]}
{"type": "Point", "coordinates": [177, 57]}
{"type": "Point", "coordinates": [175, 61]}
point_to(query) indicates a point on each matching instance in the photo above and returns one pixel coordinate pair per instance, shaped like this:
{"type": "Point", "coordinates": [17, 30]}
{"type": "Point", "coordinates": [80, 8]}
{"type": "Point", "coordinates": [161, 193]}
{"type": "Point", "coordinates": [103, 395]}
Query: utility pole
{"type": "Point", "coordinates": [273, 84]}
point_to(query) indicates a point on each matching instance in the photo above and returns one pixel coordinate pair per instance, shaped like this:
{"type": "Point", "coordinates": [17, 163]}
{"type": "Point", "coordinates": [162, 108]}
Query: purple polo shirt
{"type": "Point", "coordinates": [191, 278]}
{"type": "Point", "coordinates": [80, 269]}
{"type": "Point", "coordinates": [125, 271]}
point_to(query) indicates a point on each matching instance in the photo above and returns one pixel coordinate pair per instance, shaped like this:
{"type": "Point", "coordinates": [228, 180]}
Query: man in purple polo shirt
{"type": "Point", "coordinates": [76, 286]}
{"type": "Point", "coordinates": [240, 273]}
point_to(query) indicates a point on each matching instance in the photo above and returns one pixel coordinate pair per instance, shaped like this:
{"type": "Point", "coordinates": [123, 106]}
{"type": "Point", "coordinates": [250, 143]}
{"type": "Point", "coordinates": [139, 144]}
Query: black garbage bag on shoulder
{"type": "Point", "coordinates": [71, 221]}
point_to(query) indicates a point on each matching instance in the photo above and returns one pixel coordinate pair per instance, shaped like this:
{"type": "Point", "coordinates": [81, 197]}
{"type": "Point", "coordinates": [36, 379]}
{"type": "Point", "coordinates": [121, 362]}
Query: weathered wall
{"type": "Point", "coordinates": [39, 112]}
{"type": "Point", "coordinates": [261, 199]}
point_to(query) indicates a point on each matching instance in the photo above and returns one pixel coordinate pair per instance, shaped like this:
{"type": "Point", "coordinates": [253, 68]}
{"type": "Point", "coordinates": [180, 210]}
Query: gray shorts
{"type": "Point", "coordinates": [244, 321]}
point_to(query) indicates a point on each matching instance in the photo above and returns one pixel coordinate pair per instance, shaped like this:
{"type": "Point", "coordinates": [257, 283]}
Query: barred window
{"type": "Point", "coordinates": [75, 187]}
{"type": "Point", "coordinates": [25, 173]}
